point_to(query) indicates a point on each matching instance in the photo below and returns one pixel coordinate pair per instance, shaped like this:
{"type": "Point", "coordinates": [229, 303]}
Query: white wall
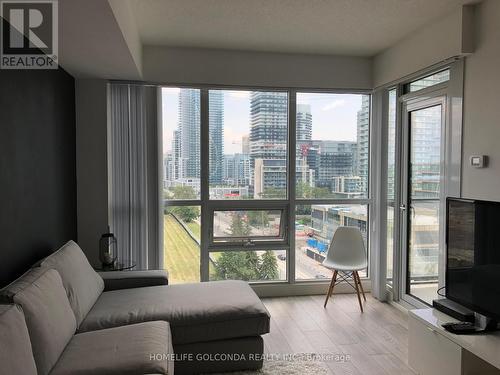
{"type": "Point", "coordinates": [206, 66]}
{"type": "Point", "coordinates": [448, 37]}
{"type": "Point", "coordinates": [91, 164]}
{"type": "Point", "coordinates": [125, 18]}
{"type": "Point", "coordinates": [96, 41]}
{"type": "Point", "coordinates": [481, 131]}
{"type": "Point", "coordinates": [479, 32]}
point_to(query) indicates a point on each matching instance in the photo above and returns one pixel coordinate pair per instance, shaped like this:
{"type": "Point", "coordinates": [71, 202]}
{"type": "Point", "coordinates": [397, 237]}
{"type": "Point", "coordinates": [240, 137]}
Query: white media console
{"type": "Point", "coordinates": [432, 350]}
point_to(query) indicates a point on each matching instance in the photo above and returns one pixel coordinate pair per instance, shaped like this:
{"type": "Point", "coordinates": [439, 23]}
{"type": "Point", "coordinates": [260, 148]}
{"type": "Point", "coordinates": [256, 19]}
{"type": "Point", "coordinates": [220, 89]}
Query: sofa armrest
{"type": "Point", "coordinates": [114, 280]}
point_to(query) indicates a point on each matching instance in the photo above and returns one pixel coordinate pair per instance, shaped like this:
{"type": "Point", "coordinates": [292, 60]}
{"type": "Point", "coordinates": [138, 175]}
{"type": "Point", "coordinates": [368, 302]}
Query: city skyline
{"type": "Point", "coordinates": [326, 109]}
{"type": "Point", "coordinates": [326, 165]}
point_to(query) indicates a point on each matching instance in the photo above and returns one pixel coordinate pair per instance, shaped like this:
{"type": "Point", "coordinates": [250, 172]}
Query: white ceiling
{"type": "Point", "coordinates": [332, 27]}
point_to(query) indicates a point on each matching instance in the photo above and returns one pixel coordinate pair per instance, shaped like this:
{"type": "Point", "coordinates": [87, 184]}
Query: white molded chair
{"type": "Point", "coordinates": [347, 255]}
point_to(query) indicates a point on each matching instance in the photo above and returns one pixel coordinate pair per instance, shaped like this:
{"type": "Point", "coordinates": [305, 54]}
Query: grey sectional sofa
{"type": "Point", "coordinates": [16, 355]}
{"type": "Point", "coordinates": [45, 340]}
{"type": "Point", "coordinates": [77, 326]}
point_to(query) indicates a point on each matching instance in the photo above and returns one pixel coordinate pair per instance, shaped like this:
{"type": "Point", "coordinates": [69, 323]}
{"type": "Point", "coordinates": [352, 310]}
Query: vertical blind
{"type": "Point", "coordinates": [133, 149]}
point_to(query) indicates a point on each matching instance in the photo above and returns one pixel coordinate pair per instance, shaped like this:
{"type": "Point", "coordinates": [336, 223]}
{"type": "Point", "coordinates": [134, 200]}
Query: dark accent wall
{"type": "Point", "coordinates": [37, 167]}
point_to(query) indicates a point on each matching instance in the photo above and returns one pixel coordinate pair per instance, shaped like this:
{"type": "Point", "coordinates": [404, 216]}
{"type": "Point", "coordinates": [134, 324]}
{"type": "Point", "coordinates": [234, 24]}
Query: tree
{"type": "Point", "coordinates": [304, 190]}
{"type": "Point", "coordinates": [237, 265]}
{"type": "Point", "coordinates": [258, 218]}
{"type": "Point", "coordinates": [305, 218]}
{"type": "Point", "coordinates": [252, 264]}
{"type": "Point", "coordinates": [183, 192]}
{"type": "Point", "coordinates": [273, 193]}
{"type": "Point", "coordinates": [268, 269]}
{"type": "Point", "coordinates": [229, 266]}
{"type": "Point", "coordinates": [304, 211]}
{"type": "Point", "coordinates": [245, 265]}
{"type": "Point", "coordinates": [185, 213]}
{"type": "Point", "coordinates": [239, 227]}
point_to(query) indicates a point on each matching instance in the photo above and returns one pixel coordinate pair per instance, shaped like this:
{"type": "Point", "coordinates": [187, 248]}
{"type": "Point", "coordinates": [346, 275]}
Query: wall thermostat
{"type": "Point", "coordinates": [478, 161]}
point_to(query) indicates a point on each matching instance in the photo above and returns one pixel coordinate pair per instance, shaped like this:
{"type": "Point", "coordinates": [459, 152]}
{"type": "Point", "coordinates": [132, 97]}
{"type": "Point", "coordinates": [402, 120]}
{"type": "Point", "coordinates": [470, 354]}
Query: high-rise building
{"type": "Point", "coordinates": [168, 169]}
{"type": "Point", "coordinates": [363, 130]}
{"type": "Point", "coordinates": [177, 166]}
{"type": "Point", "coordinates": [272, 173]}
{"type": "Point", "coordinates": [186, 153]}
{"type": "Point", "coordinates": [216, 136]}
{"type": "Point", "coordinates": [303, 135]}
{"type": "Point", "coordinates": [245, 145]}
{"type": "Point", "coordinates": [426, 153]}
{"type": "Point", "coordinates": [189, 134]}
{"type": "Point", "coordinates": [303, 123]}
{"type": "Point", "coordinates": [236, 170]}
{"type": "Point", "coordinates": [346, 187]}
{"type": "Point", "coordinates": [331, 159]}
{"type": "Point", "coordinates": [268, 125]}
{"type": "Point", "coordinates": [268, 133]}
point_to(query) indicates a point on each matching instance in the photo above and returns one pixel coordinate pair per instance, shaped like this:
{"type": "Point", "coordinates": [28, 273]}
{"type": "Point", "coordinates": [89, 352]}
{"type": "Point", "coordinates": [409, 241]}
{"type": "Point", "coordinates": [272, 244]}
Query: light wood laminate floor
{"type": "Point", "coordinates": [376, 341]}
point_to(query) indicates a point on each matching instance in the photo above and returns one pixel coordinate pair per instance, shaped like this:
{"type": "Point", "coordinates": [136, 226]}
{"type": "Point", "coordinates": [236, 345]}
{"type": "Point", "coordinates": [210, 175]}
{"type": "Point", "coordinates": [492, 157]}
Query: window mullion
{"type": "Point", "coordinates": [204, 183]}
{"type": "Point", "coordinates": [292, 139]}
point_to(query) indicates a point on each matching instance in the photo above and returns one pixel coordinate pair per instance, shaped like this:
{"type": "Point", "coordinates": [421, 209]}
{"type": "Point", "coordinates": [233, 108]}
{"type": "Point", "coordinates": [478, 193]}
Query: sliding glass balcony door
{"type": "Point", "coordinates": [423, 199]}
{"type": "Point", "coordinates": [422, 126]}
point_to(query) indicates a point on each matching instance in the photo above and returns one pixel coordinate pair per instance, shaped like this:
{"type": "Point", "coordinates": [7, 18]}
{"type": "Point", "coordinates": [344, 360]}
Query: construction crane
{"type": "Point", "coordinates": [304, 151]}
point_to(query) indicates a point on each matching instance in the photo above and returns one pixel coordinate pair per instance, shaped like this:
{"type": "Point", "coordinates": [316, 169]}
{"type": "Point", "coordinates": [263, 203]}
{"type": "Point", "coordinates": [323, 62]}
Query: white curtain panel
{"type": "Point", "coordinates": [133, 171]}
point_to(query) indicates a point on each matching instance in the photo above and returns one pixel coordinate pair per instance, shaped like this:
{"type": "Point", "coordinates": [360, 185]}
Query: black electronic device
{"type": "Point", "coordinates": [453, 309]}
{"type": "Point", "coordinates": [473, 258]}
{"type": "Point", "coordinates": [462, 328]}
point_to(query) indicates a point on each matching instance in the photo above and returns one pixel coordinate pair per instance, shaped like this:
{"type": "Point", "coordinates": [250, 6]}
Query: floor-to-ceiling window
{"type": "Point", "coordinates": [247, 210]}
{"type": "Point", "coordinates": [181, 183]}
{"type": "Point", "coordinates": [257, 181]}
{"type": "Point", "coordinates": [332, 133]}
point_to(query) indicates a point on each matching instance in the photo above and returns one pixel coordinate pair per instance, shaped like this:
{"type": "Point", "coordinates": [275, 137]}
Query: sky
{"type": "Point", "coordinates": [334, 116]}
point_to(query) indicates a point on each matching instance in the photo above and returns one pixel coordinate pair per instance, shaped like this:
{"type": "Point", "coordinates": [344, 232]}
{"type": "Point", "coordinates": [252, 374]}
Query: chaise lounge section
{"type": "Point", "coordinates": [214, 326]}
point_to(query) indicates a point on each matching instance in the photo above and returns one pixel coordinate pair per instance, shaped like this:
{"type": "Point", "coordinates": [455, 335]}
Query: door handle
{"type": "Point", "coordinates": [402, 207]}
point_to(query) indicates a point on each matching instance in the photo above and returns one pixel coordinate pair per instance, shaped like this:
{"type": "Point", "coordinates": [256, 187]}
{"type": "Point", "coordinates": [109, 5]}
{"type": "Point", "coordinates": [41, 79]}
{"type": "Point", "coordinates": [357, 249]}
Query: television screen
{"type": "Point", "coordinates": [473, 255]}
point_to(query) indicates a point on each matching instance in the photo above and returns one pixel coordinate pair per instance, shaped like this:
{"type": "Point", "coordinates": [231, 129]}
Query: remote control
{"type": "Point", "coordinates": [461, 327]}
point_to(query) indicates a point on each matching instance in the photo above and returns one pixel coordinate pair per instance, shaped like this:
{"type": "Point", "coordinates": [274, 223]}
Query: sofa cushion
{"type": "Point", "coordinates": [49, 317]}
{"type": "Point", "coordinates": [196, 312]}
{"type": "Point", "coordinates": [142, 348]}
{"type": "Point", "coordinates": [239, 354]}
{"type": "Point", "coordinates": [114, 280]}
{"type": "Point", "coordinates": [16, 356]}
{"type": "Point", "coordinates": [83, 285]}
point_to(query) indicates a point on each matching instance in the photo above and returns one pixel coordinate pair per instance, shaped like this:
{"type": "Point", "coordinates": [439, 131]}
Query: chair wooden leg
{"type": "Point", "coordinates": [360, 285]}
{"type": "Point", "coordinates": [357, 290]}
{"type": "Point", "coordinates": [335, 274]}
{"type": "Point", "coordinates": [330, 289]}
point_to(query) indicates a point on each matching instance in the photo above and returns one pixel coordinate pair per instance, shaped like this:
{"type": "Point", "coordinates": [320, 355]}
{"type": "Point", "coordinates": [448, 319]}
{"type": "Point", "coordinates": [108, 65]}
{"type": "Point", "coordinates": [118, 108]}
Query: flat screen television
{"type": "Point", "coordinates": [473, 255]}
